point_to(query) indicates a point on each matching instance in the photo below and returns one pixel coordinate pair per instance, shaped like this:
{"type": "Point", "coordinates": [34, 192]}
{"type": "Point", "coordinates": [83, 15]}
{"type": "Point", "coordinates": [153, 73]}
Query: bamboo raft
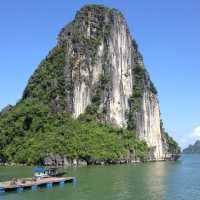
{"type": "Point", "coordinates": [29, 183]}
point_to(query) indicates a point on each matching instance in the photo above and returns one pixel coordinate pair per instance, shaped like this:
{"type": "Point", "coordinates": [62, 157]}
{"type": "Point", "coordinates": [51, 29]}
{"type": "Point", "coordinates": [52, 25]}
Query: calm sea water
{"type": "Point", "coordinates": [151, 181]}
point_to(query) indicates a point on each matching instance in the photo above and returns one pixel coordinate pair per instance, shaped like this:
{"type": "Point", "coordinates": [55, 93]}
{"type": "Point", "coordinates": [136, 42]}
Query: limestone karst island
{"type": "Point", "coordinates": [85, 122]}
{"type": "Point", "coordinates": [90, 101]}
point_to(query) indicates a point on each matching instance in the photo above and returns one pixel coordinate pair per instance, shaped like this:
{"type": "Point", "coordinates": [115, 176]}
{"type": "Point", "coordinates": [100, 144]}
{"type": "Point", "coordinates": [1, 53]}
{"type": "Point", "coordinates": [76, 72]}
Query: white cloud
{"type": "Point", "coordinates": [196, 133]}
{"type": "Point", "coordinates": [191, 137]}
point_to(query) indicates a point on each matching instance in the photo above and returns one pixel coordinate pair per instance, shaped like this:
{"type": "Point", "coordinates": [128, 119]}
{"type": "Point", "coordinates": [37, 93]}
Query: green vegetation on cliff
{"type": "Point", "coordinates": [173, 146]}
{"type": "Point", "coordinates": [48, 82]}
{"type": "Point", "coordinates": [30, 132]}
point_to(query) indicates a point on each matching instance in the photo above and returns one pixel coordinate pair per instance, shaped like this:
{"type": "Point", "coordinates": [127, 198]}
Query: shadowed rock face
{"type": "Point", "coordinates": [98, 45]}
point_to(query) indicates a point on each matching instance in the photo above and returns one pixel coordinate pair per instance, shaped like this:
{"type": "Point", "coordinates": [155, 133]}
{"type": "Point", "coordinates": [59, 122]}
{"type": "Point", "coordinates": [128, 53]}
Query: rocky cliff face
{"type": "Point", "coordinates": [105, 75]}
{"type": "Point", "coordinates": [99, 46]}
{"type": "Point", "coordinates": [148, 124]}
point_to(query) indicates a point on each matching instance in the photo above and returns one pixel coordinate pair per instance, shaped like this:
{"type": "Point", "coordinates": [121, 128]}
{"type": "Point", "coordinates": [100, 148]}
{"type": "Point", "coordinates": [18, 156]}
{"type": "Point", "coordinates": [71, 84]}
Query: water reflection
{"type": "Point", "coordinates": [146, 181]}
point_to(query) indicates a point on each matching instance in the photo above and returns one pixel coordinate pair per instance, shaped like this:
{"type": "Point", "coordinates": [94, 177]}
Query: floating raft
{"type": "Point", "coordinates": [29, 183]}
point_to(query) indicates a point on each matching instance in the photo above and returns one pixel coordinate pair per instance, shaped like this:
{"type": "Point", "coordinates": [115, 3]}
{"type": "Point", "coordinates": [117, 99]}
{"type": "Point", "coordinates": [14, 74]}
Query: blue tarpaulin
{"type": "Point", "coordinates": [40, 169]}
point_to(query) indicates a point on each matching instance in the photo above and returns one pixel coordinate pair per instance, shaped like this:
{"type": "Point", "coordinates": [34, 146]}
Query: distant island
{"type": "Point", "coordinates": [195, 148]}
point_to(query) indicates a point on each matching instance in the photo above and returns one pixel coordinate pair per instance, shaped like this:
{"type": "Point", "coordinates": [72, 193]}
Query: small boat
{"type": "Point", "coordinates": [43, 177]}
{"type": "Point", "coordinates": [41, 172]}
{"type": "Point", "coordinates": [55, 172]}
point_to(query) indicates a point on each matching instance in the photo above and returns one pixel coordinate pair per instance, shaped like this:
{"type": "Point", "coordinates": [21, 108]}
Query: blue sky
{"type": "Point", "coordinates": [167, 33]}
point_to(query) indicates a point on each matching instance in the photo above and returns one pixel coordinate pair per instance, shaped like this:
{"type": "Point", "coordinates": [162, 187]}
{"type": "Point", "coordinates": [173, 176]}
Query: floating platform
{"type": "Point", "coordinates": [28, 183]}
